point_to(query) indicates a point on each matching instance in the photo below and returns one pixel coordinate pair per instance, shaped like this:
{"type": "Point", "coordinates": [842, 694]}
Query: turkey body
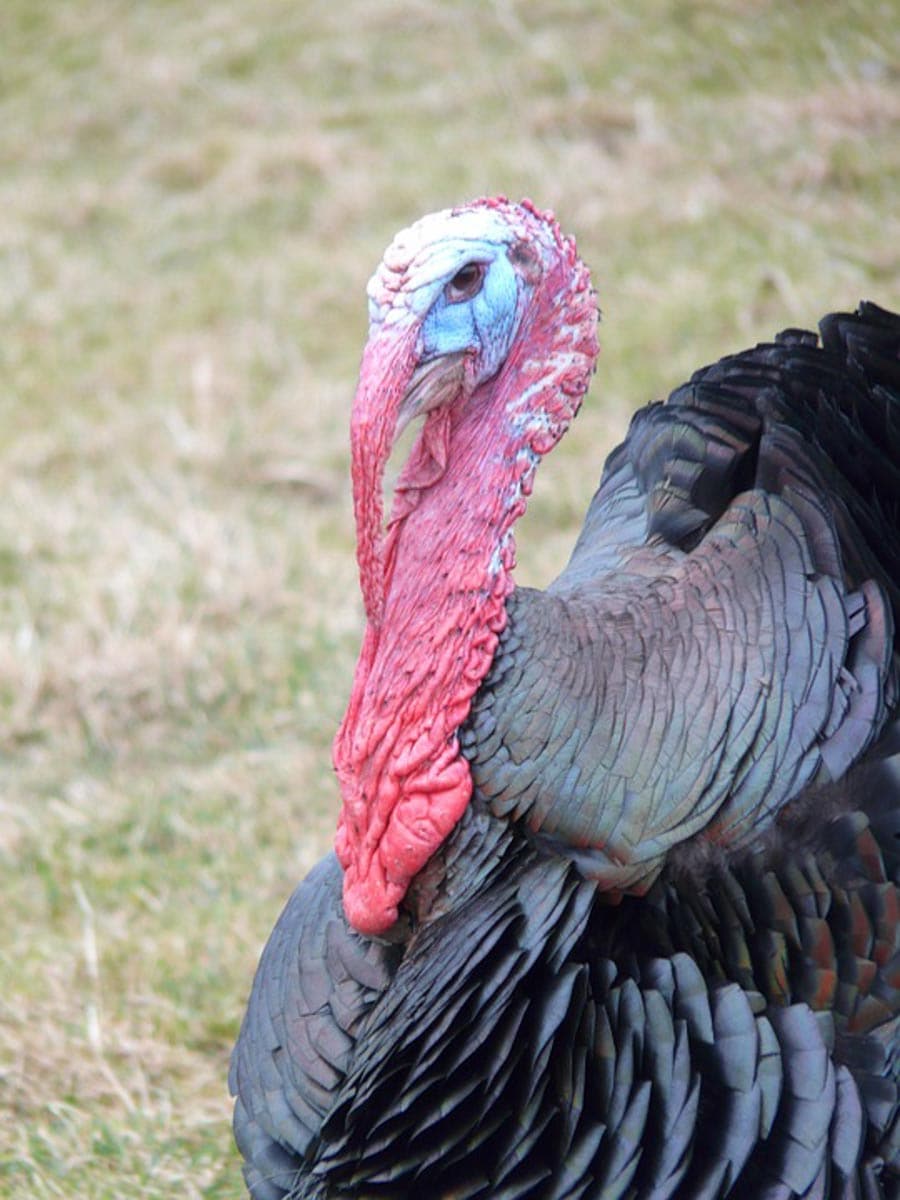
{"type": "Point", "coordinates": [657, 953]}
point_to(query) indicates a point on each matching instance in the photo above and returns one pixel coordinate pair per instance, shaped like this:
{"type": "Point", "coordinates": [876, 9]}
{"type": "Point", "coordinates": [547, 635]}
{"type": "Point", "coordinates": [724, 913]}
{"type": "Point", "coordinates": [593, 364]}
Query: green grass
{"type": "Point", "coordinates": [192, 197]}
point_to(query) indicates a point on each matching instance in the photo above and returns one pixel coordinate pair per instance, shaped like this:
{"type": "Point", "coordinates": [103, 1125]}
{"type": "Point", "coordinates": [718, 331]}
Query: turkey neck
{"type": "Point", "coordinates": [448, 560]}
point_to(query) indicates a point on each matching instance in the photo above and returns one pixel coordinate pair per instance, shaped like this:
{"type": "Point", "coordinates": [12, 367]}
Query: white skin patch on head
{"type": "Point", "coordinates": [413, 284]}
{"type": "Point", "coordinates": [419, 259]}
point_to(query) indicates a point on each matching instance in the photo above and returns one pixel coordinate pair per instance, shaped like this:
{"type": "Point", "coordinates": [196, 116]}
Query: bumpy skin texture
{"type": "Point", "coordinates": [734, 1031]}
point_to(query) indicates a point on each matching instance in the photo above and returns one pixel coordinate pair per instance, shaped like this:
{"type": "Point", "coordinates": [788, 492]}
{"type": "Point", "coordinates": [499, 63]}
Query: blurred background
{"type": "Point", "coordinates": [192, 197]}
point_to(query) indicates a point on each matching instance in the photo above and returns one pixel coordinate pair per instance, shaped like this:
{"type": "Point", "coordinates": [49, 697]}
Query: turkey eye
{"type": "Point", "coordinates": [466, 283]}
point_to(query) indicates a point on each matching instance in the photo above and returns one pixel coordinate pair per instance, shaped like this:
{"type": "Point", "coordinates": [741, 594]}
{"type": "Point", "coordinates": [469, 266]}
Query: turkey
{"type": "Point", "coordinates": [614, 908]}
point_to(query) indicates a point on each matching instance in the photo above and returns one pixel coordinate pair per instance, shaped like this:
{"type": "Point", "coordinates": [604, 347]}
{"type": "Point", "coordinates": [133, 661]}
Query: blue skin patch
{"type": "Point", "coordinates": [486, 323]}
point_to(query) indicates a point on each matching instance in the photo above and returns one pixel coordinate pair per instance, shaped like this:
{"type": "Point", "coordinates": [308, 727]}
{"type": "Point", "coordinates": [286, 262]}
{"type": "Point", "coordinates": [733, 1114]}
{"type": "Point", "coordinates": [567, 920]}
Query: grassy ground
{"type": "Point", "coordinates": [192, 196]}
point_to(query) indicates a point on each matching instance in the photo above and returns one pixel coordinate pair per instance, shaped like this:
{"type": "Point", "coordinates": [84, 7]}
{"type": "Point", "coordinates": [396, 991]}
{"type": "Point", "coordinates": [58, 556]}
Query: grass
{"type": "Point", "coordinates": [192, 197]}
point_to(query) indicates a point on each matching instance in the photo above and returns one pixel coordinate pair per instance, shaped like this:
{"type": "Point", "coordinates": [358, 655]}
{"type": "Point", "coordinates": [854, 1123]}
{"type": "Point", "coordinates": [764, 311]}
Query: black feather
{"type": "Point", "coordinates": [691, 716]}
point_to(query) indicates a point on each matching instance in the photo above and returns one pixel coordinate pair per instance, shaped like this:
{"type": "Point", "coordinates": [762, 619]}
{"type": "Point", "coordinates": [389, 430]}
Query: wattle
{"type": "Point", "coordinates": [403, 780]}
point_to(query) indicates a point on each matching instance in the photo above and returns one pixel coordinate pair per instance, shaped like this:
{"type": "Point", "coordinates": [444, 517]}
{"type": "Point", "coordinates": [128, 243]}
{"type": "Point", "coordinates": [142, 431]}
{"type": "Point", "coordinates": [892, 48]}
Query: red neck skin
{"type": "Point", "coordinates": [435, 593]}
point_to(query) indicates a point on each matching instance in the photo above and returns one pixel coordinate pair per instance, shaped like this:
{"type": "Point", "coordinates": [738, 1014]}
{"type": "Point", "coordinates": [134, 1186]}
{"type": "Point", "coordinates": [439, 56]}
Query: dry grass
{"type": "Point", "coordinates": [191, 199]}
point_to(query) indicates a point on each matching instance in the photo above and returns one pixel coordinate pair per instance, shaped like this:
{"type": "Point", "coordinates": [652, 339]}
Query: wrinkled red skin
{"type": "Point", "coordinates": [436, 583]}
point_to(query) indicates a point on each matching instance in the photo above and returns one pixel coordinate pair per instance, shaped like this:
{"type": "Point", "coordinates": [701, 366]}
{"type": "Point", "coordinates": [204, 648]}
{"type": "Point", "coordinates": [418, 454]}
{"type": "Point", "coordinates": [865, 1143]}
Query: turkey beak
{"type": "Point", "coordinates": [433, 384]}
